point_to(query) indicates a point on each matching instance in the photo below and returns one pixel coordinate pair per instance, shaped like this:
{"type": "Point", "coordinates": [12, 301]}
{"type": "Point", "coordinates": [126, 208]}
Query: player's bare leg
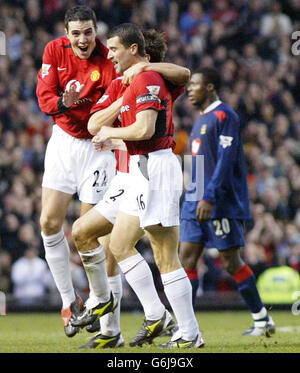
{"type": "Point", "coordinates": [125, 234]}
{"type": "Point", "coordinates": [54, 209]}
{"type": "Point", "coordinates": [177, 286]}
{"type": "Point", "coordinates": [111, 263]}
{"type": "Point", "coordinates": [246, 284]}
{"type": "Point", "coordinates": [88, 228]}
{"type": "Point", "coordinates": [164, 241]}
{"type": "Point", "coordinates": [189, 253]}
{"type": "Point", "coordinates": [57, 252]}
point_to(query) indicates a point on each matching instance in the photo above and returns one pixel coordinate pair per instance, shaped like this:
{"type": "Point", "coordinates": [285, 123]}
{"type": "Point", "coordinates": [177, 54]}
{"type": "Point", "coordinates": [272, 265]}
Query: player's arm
{"type": "Point", "coordinates": [104, 117]}
{"type": "Point", "coordinates": [51, 101]}
{"type": "Point", "coordinates": [177, 75]}
{"type": "Point", "coordinates": [142, 129]}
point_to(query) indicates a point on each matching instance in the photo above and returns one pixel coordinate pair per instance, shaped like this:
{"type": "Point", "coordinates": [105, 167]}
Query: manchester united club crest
{"type": "Point", "coordinates": [95, 75]}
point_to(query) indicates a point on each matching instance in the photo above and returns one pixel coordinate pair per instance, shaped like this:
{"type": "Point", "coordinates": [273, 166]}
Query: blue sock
{"type": "Point", "coordinates": [246, 285]}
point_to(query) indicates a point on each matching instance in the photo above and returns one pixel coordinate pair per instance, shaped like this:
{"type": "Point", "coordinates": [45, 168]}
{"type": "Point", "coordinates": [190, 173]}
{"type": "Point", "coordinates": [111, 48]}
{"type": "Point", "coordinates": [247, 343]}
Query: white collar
{"type": "Point", "coordinates": [212, 106]}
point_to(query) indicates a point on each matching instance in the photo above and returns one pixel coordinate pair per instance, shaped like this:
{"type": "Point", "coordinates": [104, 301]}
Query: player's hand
{"type": "Point", "coordinates": [101, 138]}
{"type": "Point", "coordinates": [72, 95]}
{"type": "Point", "coordinates": [204, 210]}
{"type": "Point", "coordinates": [133, 71]}
{"type": "Point", "coordinates": [97, 145]}
{"type": "Point", "coordinates": [103, 146]}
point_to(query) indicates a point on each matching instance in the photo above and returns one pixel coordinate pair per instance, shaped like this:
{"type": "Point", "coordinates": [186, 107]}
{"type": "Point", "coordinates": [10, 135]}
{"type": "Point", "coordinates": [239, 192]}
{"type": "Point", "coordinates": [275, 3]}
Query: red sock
{"type": "Point", "coordinates": [192, 274]}
{"type": "Point", "coordinates": [242, 274]}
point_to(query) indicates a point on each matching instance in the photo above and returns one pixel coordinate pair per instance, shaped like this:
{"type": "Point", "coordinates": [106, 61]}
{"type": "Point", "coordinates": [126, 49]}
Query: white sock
{"type": "Point", "coordinates": [95, 269]}
{"type": "Point", "coordinates": [139, 277]}
{"type": "Point", "coordinates": [57, 254]}
{"type": "Point", "coordinates": [178, 290]}
{"type": "Point", "coordinates": [260, 315]}
{"type": "Point", "coordinates": [110, 323]}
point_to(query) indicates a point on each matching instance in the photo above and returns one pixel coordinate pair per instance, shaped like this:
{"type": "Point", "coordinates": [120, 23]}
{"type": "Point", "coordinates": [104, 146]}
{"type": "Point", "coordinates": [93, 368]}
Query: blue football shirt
{"type": "Point", "coordinates": [218, 157]}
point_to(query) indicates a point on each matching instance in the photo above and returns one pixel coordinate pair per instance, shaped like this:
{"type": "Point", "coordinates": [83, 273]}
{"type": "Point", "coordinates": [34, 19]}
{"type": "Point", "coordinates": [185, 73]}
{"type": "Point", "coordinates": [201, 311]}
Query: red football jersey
{"type": "Point", "coordinates": [115, 90]}
{"type": "Point", "coordinates": [61, 69]}
{"type": "Point", "coordinates": [149, 91]}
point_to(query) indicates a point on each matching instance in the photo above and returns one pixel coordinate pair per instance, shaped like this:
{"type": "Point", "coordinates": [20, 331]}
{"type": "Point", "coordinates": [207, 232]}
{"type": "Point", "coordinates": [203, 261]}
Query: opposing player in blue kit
{"type": "Point", "coordinates": [214, 217]}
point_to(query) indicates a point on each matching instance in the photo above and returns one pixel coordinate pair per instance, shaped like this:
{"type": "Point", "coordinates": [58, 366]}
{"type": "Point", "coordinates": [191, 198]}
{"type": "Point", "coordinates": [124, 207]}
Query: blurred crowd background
{"type": "Point", "coordinates": [248, 41]}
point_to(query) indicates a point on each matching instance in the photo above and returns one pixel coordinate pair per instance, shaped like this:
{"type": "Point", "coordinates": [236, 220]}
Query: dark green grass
{"type": "Point", "coordinates": [43, 333]}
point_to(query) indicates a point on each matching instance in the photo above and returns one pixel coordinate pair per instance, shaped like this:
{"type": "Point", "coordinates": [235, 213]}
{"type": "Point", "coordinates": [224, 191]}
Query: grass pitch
{"type": "Point", "coordinates": [43, 333]}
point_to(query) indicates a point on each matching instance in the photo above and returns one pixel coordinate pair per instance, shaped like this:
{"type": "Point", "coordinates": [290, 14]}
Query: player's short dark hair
{"type": "Point", "coordinates": [155, 45]}
{"type": "Point", "coordinates": [211, 75]}
{"type": "Point", "coordinates": [129, 34]}
{"type": "Point", "coordinates": [80, 13]}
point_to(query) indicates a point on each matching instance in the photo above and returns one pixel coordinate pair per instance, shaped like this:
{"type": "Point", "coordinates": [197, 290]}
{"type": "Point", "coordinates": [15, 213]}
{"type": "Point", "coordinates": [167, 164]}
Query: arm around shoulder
{"type": "Point", "coordinates": [104, 117]}
{"type": "Point", "coordinates": [177, 75]}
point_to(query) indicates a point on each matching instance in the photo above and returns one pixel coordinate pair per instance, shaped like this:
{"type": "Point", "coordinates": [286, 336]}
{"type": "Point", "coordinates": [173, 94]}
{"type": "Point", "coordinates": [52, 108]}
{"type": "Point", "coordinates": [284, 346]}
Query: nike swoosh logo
{"type": "Point", "coordinates": [184, 345]}
{"type": "Point", "coordinates": [152, 327]}
{"type": "Point", "coordinates": [61, 68]}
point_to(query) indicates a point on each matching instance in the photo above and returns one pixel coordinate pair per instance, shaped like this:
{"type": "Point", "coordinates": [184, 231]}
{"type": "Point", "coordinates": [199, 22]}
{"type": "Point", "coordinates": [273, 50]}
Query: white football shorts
{"type": "Point", "coordinates": [115, 195]}
{"type": "Point", "coordinates": [72, 166]}
{"type": "Point", "coordinates": [156, 186]}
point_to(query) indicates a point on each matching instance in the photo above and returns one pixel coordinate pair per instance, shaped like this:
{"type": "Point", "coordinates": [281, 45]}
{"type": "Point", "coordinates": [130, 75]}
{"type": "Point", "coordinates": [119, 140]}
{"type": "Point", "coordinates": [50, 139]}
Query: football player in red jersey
{"type": "Point", "coordinates": [99, 220]}
{"type": "Point", "coordinates": [156, 182]}
{"type": "Point", "coordinates": [73, 77]}
{"type": "Point", "coordinates": [74, 74]}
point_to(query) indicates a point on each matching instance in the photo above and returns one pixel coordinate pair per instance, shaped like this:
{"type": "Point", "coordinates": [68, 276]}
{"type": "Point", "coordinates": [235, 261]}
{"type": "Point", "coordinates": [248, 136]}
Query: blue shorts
{"type": "Point", "coordinates": [221, 234]}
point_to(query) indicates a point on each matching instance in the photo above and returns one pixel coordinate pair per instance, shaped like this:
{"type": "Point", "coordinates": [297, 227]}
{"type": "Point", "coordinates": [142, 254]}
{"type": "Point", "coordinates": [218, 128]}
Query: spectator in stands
{"type": "Point", "coordinates": [28, 276]}
{"type": "Point", "coordinates": [275, 22]}
{"type": "Point", "coordinates": [190, 21]}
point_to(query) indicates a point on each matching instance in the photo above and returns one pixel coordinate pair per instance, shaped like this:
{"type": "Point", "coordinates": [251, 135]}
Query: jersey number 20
{"type": "Point", "coordinates": [221, 227]}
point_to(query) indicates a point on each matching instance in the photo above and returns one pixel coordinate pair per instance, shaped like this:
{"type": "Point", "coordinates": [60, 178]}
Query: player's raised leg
{"type": "Point", "coordinates": [110, 323]}
{"type": "Point", "coordinates": [108, 327]}
{"type": "Point", "coordinates": [85, 232]}
{"type": "Point", "coordinates": [57, 252]}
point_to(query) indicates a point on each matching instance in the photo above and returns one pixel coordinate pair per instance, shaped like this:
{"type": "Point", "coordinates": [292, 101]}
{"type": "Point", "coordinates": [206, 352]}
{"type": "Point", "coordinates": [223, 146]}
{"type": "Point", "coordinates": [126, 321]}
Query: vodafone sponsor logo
{"type": "Point", "coordinates": [71, 83]}
{"type": "Point", "coordinates": [124, 108]}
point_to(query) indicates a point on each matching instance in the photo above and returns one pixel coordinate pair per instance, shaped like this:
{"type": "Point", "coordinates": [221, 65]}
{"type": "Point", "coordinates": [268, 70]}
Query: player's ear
{"type": "Point", "coordinates": [134, 48]}
{"type": "Point", "coordinates": [210, 87]}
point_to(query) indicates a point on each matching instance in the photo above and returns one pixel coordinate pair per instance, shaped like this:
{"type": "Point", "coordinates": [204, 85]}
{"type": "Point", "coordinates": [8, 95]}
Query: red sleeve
{"type": "Point", "coordinates": [47, 85]}
{"type": "Point", "coordinates": [148, 87]}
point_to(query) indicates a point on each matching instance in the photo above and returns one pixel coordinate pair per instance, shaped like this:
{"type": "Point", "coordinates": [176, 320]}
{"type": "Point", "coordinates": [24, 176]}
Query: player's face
{"type": "Point", "coordinates": [197, 90]}
{"type": "Point", "coordinates": [82, 36]}
{"type": "Point", "coordinates": [121, 56]}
